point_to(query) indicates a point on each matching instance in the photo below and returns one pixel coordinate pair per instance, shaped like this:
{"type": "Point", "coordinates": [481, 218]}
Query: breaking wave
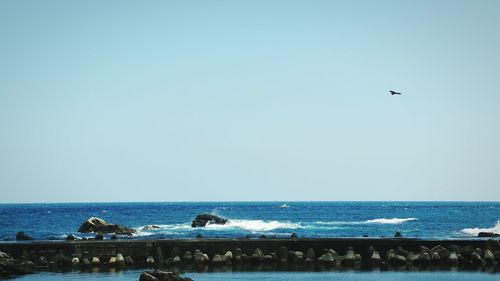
{"type": "Point", "coordinates": [248, 225]}
{"type": "Point", "coordinates": [475, 231]}
{"type": "Point", "coordinates": [391, 221]}
{"type": "Point", "coordinates": [256, 225]}
{"type": "Point", "coordinates": [380, 221]}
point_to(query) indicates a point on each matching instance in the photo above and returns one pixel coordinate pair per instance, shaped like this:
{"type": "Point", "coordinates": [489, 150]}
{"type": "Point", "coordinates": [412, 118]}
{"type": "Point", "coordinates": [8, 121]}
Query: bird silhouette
{"type": "Point", "coordinates": [394, 93]}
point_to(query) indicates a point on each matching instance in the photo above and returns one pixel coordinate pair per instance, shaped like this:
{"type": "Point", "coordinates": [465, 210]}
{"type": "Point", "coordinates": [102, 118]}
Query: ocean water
{"type": "Point", "coordinates": [133, 275]}
{"type": "Point", "coordinates": [309, 219]}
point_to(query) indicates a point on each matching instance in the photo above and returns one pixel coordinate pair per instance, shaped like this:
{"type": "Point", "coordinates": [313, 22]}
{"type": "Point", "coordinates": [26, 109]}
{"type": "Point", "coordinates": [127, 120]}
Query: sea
{"type": "Point", "coordinates": [255, 219]}
{"type": "Point", "coordinates": [443, 220]}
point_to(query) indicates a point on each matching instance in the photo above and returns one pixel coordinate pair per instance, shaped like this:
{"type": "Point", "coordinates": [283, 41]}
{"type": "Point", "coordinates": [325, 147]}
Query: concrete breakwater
{"type": "Point", "coordinates": [303, 253]}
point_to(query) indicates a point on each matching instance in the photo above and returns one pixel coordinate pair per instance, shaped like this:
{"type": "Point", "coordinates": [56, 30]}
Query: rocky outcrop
{"type": "Point", "coordinates": [10, 267]}
{"type": "Point", "coordinates": [488, 234]}
{"type": "Point", "coordinates": [158, 275]}
{"type": "Point", "coordinates": [204, 219]}
{"type": "Point", "coordinates": [95, 224]}
{"type": "Point", "coordinates": [21, 236]}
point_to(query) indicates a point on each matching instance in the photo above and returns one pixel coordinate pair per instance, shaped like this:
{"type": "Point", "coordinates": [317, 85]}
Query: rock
{"type": "Point", "coordinates": [375, 258]}
{"type": "Point", "coordinates": [10, 267]}
{"type": "Point", "coordinates": [177, 260]}
{"type": "Point", "coordinates": [326, 258]}
{"type": "Point", "coordinates": [237, 255]}
{"type": "Point", "coordinates": [453, 258]}
{"type": "Point", "coordinates": [71, 237]}
{"type": "Point", "coordinates": [358, 258]}
{"type": "Point", "coordinates": [95, 224]}
{"type": "Point", "coordinates": [187, 257]}
{"type": "Point", "coordinates": [198, 257]}
{"type": "Point", "coordinates": [175, 252]}
{"type": "Point", "coordinates": [147, 277]}
{"type": "Point", "coordinates": [298, 254]}
{"type": "Point", "coordinates": [397, 234]}
{"type": "Point", "coordinates": [96, 261]}
{"type": "Point", "coordinates": [488, 256]}
{"type": "Point", "coordinates": [258, 255]}
{"type": "Point", "coordinates": [217, 259]}
{"type": "Point", "coordinates": [21, 236]}
{"type": "Point", "coordinates": [199, 236]}
{"type": "Point", "coordinates": [42, 261]}
{"type": "Point", "coordinates": [349, 257]}
{"type": "Point", "coordinates": [99, 236]}
{"type": "Point", "coordinates": [394, 259]}
{"type": "Point", "coordinates": [293, 236]}
{"type": "Point", "coordinates": [454, 248]}
{"type": "Point", "coordinates": [310, 254]}
{"type": "Point", "coordinates": [129, 260]}
{"type": "Point", "coordinates": [204, 219]}
{"type": "Point", "coordinates": [402, 252]}
{"type": "Point", "coordinates": [120, 260]}
{"type": "Point", "coordinates": [283, 255]}
{"type": "Point", "coordinates": [475, 257]}
{"type": "Point", "coordinates": [488, 234]}
{"type": "Point", "coordinates": [112, 261]}
{"type": "Point", "coordinates": [61, 260]}
{"type": "Point", "coordinates": [114, 237]}
{"type": "Point", "coordinates": [206, 258]}
{"type": "Point", "coordinates": [424, 257]}
{"type": "Point", "coordinates": [162, 276]}
{"type": "Point", "coordinates": [150, 260]}
{"type": "Point", "coordinates": [75, 261]}
{"type": "Point", "coordinates": [86, 262]}
{"type": "Point", "coordinates": [435, 257]}
{"type": "Point", "coordinates": [150, 227]}
{"type": "Point", "coordinates": [228, 257]}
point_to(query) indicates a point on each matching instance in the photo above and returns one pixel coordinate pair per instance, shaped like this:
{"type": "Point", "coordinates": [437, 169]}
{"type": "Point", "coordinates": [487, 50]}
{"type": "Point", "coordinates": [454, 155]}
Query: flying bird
{"type": "Point", "coordinates": [394, 93]}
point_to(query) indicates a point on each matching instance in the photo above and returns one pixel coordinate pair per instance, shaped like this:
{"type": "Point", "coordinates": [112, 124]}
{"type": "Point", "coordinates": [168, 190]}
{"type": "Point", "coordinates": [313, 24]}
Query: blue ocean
{"type": "Point", "coordinates": [272, 219]}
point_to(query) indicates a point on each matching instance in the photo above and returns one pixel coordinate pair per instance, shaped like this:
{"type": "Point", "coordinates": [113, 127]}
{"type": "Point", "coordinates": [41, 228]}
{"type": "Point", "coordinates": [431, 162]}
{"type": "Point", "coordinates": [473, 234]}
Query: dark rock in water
{"type": "Point", "coordinates": [21, 236]}
{"type": "Point", "coordinates": [199, 236]}
{"type": "Point", "coordinates": [293, 236]}
{"type": "Point", "coordinates": [114, 237]}
{"type": "Point", "coordinates": [99, 236]}
{"type": "Point", "coordinates": [397, 234]}
{"type": "Point", "coordinates": [262, 236]}
{"type": "Point", "coordinates": [10, 267]}
{"type": "Point", "coordinates": [95, 224]}
{"type": "Point", "coordinates": [204, 219]}
{"type": "Point", "coordinates": [488, 234]}
{"type": "Point", "coordinates": [162, 276]}
{"type": "Point", "coordinates": [71, 237]}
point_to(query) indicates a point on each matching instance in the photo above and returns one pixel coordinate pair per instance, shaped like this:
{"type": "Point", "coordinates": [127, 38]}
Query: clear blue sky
{"type": "Point", "coordinates": [249, 100]}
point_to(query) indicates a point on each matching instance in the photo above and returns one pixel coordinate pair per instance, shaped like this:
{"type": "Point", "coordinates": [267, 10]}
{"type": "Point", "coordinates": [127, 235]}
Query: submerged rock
{"type": "Point", "coordinates": [21, 236]}
{"type": "Point", "coordinates": [162, 276]}
{"type": "Point", "coordinates": [95, 224]}
{"type": "Point", "coordinates": [204, 219]}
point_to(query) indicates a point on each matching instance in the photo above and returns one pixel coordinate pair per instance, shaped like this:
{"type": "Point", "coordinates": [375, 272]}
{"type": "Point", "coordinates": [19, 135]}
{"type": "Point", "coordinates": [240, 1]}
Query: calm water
{"type": "Point", "coordinates": [311, 219]}
{"type": "Point", "coordinates": [278, 276]}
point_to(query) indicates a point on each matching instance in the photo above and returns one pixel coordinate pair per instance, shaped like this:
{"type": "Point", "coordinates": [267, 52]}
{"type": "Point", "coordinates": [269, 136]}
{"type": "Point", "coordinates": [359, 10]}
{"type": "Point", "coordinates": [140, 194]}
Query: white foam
{"type": "Point", "coordinates": [475, 231]}
{"type": "Point", "coordinates": [391, 221]}
{"type": "Point", "coordinates": [381, 221]}
{"type": "Point", "coordinates": [255, 225]}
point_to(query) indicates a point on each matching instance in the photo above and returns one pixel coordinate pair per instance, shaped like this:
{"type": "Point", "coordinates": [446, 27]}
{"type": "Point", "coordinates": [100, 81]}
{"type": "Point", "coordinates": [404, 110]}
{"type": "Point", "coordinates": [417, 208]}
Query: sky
{"type": "Point", "coordinates": [104, 101]}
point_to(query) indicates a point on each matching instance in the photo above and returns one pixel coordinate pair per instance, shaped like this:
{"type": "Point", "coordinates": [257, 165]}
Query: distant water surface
{"type": "Point", "coordinates": [273, 219]}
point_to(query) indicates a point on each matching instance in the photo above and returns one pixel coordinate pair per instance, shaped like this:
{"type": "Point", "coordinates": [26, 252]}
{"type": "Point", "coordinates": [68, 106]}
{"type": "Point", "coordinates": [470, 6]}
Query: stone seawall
{"type": "Point", "coordinates": [329, 252]}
